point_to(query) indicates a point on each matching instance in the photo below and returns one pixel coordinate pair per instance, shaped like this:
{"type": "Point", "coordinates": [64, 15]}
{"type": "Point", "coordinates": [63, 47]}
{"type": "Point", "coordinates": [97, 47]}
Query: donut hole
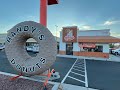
{"type": "Point", "coordinates": [32, 47]}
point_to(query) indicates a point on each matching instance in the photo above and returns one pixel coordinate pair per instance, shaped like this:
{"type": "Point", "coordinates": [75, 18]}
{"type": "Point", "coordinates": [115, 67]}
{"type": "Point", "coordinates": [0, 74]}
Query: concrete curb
{"type": "Point", "coordinates": [70, 87]}
{"type": "Point", "coordinates": [91, 58]}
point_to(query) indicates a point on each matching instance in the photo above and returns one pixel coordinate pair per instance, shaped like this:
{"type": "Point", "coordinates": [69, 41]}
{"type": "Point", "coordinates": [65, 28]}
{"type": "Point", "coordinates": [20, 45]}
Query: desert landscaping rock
{"type": "Point", "coordinates": [20, 84]}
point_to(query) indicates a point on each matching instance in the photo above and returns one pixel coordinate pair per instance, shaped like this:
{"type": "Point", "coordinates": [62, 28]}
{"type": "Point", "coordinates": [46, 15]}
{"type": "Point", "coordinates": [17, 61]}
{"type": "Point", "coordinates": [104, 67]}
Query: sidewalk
{"type": "Point", "coordinates": [112, 57]}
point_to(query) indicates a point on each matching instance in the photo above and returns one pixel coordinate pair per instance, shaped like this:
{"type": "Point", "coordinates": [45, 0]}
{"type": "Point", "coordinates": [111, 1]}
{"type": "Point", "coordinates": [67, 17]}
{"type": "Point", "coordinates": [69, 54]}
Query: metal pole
{"type": "Point", "coordinates": [56, 31]}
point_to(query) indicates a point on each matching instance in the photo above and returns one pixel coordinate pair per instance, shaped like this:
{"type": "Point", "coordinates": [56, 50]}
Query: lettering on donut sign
{"type": "Point", "coordinates": [23, 68]}
{"type": "Point", "coordinates": [22, 29]}
{"type": "Point", "coordinates": [17, 55]}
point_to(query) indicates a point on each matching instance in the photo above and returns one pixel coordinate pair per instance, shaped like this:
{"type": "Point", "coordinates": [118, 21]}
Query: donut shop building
{"type": "Point", "coordinates": [88, 43]}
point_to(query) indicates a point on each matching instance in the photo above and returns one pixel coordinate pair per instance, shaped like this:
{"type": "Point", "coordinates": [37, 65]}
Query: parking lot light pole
{"type": "Point", "coordinates": [56, 31]}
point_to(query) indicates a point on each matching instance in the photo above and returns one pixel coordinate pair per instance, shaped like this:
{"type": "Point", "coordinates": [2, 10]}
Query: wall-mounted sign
{"type": "Point", "coordinates": [16, 51]}
{"type": "Point", "coordinates": [86, 45]}
{"type": "Point", "coordinates": [69, 34]}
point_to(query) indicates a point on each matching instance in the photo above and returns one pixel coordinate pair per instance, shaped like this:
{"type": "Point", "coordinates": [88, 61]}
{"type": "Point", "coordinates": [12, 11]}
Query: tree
{"type": "Point", "coordinates": [111, 45]}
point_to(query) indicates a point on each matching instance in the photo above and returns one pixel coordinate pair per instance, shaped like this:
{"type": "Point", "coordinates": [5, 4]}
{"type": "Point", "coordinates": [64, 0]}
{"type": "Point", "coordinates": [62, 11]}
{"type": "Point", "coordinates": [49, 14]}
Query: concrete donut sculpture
{"type": "Point", "coordinates": [15, 48]}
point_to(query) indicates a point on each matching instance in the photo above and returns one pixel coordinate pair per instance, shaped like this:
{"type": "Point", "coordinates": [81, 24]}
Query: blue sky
{"type": "Point", "coordinates": [86, 14]}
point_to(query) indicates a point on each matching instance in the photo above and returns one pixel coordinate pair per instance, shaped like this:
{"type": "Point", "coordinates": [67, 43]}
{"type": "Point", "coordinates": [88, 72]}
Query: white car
{"type": "Point", "coordinates": [116, 51]}
{"type": "Point", "coordinates": [29, 48]}
{"type": "Point", "coordinates": [2, 47]}
{"type": "Point", "coordinates": [36, 49]}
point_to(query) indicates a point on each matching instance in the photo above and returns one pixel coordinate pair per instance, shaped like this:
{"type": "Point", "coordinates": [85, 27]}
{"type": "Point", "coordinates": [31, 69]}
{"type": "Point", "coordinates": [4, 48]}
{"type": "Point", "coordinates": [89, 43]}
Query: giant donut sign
{"type": "Point", "coordinates": [17, 55]}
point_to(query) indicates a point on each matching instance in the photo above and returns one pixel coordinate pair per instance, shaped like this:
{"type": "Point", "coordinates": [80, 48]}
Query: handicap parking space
{"type": "Point", "coordinates": [74, 81]}
{"type": "Point", "coordinates": [77, 74]}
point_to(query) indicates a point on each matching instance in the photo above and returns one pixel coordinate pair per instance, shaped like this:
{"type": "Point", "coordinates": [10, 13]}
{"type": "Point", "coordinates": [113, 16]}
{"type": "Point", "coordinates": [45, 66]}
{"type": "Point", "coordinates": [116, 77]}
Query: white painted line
{"type": "Point", "coordinates": [80, 63]}
{"type": "Point", "coordinates": [78, 70]}
{"type": "Point", "coordinates": [68, 72]}
{"type": "Point", "coordinates": [86, 79]}
{"type": "Point", "coordinates": [79, 67]}
{"type": "Point", "coordinates": [76, 79]}
{"type": "Point", "coordinates": [77, 74]}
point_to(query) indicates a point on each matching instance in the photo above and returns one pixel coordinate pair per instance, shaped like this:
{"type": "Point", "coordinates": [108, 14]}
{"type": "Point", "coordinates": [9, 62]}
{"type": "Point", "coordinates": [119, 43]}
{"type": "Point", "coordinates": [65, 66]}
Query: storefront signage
{"type": "Point", "coordinates": [69, 34]}
{"type": "Point", "coordinates": [17, 55]}
{"type": "Point", "coordinates": [87, 45]}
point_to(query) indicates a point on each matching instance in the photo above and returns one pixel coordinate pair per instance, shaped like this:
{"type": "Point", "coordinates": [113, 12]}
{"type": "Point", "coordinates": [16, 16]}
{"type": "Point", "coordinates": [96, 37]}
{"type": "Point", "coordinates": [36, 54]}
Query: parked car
{"type": "Point", "coordinates": [2, 47]}
{"type": "Point", "coordinates": [110, 50]}
{"type": "Point", "coordinates": [116, 51]}
{"type": "Point", "coordinates": [36, 49]}
{"type": "Point", "coordinates": [29, 48]}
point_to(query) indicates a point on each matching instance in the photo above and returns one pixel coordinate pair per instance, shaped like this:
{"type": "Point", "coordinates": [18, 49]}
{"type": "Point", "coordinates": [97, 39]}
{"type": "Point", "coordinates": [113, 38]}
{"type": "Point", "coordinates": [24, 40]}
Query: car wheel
{"type": "Point", "coordinates": [116, 53]}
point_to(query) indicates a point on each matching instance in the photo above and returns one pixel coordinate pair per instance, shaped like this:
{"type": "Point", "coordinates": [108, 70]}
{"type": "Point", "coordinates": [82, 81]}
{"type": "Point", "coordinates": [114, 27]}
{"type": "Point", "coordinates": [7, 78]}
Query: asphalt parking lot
{"type": "Point", "coordinates": [4, 64]}
{"type": "Point", "coordinates": [103, 75]}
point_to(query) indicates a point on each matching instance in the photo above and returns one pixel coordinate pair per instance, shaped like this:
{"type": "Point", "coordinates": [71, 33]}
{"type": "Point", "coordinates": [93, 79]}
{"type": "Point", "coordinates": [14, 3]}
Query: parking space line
{"type": "Point", "coordinates": [86, 79]}
{"type": "Point", "coordinates": [76, 79]}
{"type": "Point", "coordinates": [81, 61]}
{"type": "Point", "coordinates": [68, 72]}
{"type": "Point", "coordinates": [77, 74]}
{"type": "Point", "coordinates": [79, 67]}
{"type": "Point", "coordinates": [79, 64]}
{"type": "Point", "coordinates": [78, 70]}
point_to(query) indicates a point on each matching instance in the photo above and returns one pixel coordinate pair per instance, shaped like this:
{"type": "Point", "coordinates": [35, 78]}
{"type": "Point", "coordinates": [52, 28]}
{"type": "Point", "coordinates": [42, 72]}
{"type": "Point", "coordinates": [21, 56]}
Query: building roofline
{"type": "Point", "coordinates": [96, 30]}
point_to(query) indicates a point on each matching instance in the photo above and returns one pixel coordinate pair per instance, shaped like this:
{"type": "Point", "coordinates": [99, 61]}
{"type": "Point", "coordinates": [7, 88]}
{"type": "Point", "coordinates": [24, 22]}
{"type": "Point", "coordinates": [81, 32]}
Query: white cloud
{"type": "Point", "coordinates": [111, 22]}
{"type": "Point", "coordinates": [108, 22]}
{"type": "Point", "coordinates": [5, 28]}
{"type": "Point", "coordinates": [85, 27]}
{"type": "Point", "coordinates": [115, 34]}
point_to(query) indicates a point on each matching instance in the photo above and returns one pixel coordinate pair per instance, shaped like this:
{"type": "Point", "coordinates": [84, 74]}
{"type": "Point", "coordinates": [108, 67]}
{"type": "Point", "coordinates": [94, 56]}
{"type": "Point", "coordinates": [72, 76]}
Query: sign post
{"type": "Point", "coordinates": [43, 10]}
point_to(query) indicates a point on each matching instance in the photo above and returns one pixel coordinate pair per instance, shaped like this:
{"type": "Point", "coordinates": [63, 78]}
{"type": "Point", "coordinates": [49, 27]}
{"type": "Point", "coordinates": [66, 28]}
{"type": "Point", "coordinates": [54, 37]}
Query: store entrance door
{"type": "Point", "coordinates": [69, 48]}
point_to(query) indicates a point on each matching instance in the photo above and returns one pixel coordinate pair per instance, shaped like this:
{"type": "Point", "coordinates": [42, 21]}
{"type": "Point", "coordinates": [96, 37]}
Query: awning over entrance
{"type": "Point", "coordinates": [98, 39]}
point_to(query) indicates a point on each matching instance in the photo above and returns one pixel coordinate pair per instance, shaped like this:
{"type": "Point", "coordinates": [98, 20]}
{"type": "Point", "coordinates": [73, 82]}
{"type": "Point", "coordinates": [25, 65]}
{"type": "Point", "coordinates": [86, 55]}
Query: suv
{"type": "Point", "coordinates": [116, 51]}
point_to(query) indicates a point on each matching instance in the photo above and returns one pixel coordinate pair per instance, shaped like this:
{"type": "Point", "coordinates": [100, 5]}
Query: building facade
{"type": "Point", "coordinates": [89, 43]}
